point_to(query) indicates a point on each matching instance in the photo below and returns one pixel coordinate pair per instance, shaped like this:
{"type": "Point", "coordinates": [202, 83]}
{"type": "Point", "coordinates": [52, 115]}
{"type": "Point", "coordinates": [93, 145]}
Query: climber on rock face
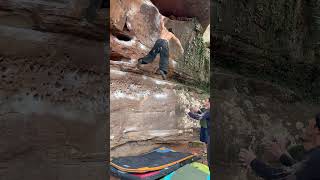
{"type": "Point", "coordinates": [161, 47]}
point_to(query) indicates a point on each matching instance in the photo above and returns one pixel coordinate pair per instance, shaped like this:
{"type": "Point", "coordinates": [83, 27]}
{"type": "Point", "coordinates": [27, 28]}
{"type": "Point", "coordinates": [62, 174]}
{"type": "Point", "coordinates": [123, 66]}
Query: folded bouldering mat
{"type": "Point", "coordinates": [155, 160]}
{"type": "Point", "coordinates": [144, 176]}
{"type": "Point", "coordinates": [193, 171]}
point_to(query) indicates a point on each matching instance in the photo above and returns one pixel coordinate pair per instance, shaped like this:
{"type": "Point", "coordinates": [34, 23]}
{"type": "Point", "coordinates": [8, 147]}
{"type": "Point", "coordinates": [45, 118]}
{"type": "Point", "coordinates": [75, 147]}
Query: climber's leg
{"type": "Point", "coordinates": [164, 57]}
{"type": "Point", "coordinates": [204, 135]}
{"type": "Point", "coordinates": [152, 54]}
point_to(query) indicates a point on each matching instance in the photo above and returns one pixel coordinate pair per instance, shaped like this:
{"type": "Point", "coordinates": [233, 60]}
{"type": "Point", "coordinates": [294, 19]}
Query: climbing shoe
{"type": "Point", "coordinates": [163, 74]}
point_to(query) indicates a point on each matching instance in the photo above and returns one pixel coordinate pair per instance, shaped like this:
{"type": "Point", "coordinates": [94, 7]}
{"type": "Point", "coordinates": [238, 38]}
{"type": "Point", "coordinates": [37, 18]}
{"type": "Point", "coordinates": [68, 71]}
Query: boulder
{"type": "Point", "coordinates": [134, 28]}
{"type": "Point", "coordinates": [186, 9]}
{"type": "Point", "coordinates": [145, 109]}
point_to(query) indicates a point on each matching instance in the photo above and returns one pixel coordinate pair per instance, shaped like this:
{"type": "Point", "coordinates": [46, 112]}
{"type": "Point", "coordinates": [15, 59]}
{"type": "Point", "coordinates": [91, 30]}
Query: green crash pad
{"type": "Point", "coordinates": [193, 171]}
{"type": "Point", "coordinates": [201, 167]}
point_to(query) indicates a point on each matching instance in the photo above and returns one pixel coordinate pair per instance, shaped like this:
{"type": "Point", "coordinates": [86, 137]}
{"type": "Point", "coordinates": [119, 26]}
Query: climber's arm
{"type": "Point", "coordinates": [267, 172]}
{"type": "Point", "coordinates": [178, 42]}
{"type": "Point", "coordinates": [162, 27]}
{"type": "Point", "coordinates": [172, 35]}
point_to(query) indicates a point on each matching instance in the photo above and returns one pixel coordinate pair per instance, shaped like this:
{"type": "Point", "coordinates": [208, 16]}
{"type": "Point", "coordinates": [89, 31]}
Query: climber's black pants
{"type": "Point", "coordinates": [161, 46]}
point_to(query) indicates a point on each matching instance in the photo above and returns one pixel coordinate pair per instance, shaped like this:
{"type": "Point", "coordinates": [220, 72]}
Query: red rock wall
{"type": "Point", "coordinates": [186, 8]}
{"type": "Point", "coordinates": [134, 28]}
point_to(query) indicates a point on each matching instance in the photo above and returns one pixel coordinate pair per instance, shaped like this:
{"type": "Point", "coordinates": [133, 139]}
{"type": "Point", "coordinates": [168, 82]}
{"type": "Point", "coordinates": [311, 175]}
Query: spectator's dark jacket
{"type": "Point", "coordinates": [204, 116]}
{"type": "Point", "coordinates": [307, 169]}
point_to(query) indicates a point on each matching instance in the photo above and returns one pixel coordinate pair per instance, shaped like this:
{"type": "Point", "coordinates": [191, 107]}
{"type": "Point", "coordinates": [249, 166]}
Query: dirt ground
{"type": "Point", "coordinates": [193, 147]}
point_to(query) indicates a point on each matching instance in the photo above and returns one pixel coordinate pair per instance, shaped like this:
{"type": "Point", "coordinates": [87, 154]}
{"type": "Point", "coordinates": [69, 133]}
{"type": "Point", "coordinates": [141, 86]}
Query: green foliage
{"type": "Point", "coordinates": [196, 63]}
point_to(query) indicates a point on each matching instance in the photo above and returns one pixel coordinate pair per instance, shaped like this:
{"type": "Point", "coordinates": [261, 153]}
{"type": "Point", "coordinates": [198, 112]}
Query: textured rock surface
{"type": "Point", "coordinates": [253, 112]}
{"type": "Point", "coordinates": [135, 27]}
{"type": "Point", "coordinates": [262, 40]}
{"type": "Point", "coordinates": [53, 16]}
{"type": "Point", "coordinates": [134, 30]}
{"type": "Point", "coordinates": [186, 9]}
{"type": "Point", "coordinates": [269, 37]}
{"type": "Point", "coordinates": [53, 104]}
{"type": "Point", "coordinates": [206, 36]}
{"type": "Point", "coordinates": [194, 65]}
{"type": "Point", "coordinates": [148, 111]}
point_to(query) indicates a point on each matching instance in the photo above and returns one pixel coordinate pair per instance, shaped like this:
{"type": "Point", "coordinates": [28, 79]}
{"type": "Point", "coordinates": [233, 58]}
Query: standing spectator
{"type": "Point", "coordinates": [307, 169]}
{"type": "Point", "coordinates": [204, 116]}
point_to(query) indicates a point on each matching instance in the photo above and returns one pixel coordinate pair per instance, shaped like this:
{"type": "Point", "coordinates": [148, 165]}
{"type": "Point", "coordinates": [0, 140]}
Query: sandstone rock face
{"type": "Point", "coordinates": [206, 36]}
{"type": "Point", "coordinates": [135, 27]}
{"type": "Point", "coordinates": [255, 41]}
{"type": "Point", "coordinates": [126, 32]}
{"type": "Point", "coordinates": [186, 9]}
{"type": "Point", "coordinates": [134, 30]}
{"type": "Point", "coordinates": [270, 38]}
{"type": "Point", "coordinates": [53, 99]}
{"type": "Point", "coordinates": [252, 113]}
{"type": "Point", "coordinates": [144, 109]}
{"type": "Point", "coordinates": [194, 65]}
{"type": "Point", "coordinates": [53, 16]}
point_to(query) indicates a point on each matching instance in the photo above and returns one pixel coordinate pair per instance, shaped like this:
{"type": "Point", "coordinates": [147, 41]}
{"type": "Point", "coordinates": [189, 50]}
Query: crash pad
{"type": "Point", "coordinates": [202, 167]}
{"type": "Point", "coordinates": [144, 176]}
{"type": "Point", "coordinates": [155, 160]}
{"type": "Point", "coordinates": [189, 172]}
